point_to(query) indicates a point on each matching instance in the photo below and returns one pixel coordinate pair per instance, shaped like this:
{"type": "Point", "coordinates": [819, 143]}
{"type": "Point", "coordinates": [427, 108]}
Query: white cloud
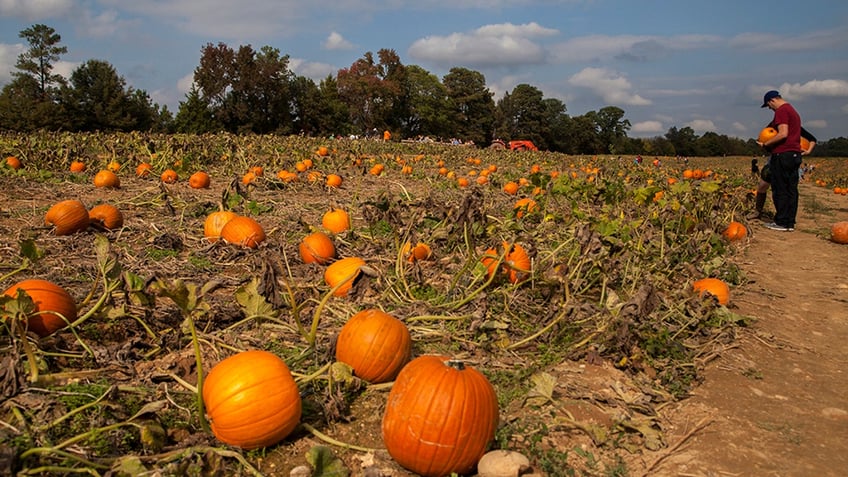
{"type": "Point", "coordinates": [502, 44]}
{"type": "Point", "coordinates": [815, 124]}
{"type": "Point", "coordinates": [834, 88]}
{"type": "Point", "coordinates": [243, 21]}
{"type": "Point", "coordinates": [34, 9]}
{"type": "Point", "coordinates": [315, 71]}
{"type": "Point", "coordinates": [8, 58]}
{"type": "Point", "coordinates": [702, 125]}
{"type": "Point", "coordinates": [647, 127]}
{"type": "Point", "coordinates": [739, 127]}
{"type": "Point", "coordinates": [335, 41]}
{"type": "Point", "coordinates": [612, 87]}
{"type": "Point", "coordinates": [815, 40]}
{"type": "Point", "coordinates": [65, 68]}
{"type": "Point", "coordinates": [184, 84]}
{"type": "Point", "coordinates": [526, 30]}
{"type": "Point", "coordinates": [631, 47]}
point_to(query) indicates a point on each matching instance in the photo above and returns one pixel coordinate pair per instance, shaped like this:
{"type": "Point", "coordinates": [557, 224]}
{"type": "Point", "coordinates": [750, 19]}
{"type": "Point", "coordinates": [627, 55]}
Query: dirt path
{"type": "Point", "coordinates": [777, 404]}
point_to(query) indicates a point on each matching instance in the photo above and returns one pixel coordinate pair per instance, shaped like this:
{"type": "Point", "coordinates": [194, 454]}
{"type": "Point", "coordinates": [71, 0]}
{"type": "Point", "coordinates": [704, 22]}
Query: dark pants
{"type": "Point", "coordinates": [783, 168]}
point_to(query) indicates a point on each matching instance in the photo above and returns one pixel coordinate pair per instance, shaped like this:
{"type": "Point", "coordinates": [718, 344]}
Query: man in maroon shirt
{"type": "Point", "coordinates": [785, 149]}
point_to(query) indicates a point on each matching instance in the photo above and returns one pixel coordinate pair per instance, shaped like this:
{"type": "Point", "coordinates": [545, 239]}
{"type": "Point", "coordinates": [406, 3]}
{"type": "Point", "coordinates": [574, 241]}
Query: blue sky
{"type": "Point", "coordinates": [704, 65]}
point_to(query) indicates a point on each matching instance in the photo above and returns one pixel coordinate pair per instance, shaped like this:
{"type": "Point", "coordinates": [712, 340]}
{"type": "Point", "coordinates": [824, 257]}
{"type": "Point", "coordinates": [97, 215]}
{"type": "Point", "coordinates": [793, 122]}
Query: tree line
{"type": "Point", "coordinates": [242, 90]}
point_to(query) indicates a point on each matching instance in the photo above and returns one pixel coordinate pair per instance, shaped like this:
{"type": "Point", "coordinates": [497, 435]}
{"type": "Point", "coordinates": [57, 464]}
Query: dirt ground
{"type": "Point", "coordinates": [771, 404]}
{"type": "Point", "coordinates": [775, 405]}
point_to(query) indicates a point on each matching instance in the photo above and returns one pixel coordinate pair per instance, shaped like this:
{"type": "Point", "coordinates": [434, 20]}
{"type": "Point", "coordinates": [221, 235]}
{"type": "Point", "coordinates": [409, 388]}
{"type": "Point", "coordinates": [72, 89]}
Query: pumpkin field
{"type": "Point", "coordinates": [265, 305]}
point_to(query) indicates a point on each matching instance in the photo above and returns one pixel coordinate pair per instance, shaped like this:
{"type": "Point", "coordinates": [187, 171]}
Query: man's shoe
{"type": "Point", "coordinates": [779, 228]}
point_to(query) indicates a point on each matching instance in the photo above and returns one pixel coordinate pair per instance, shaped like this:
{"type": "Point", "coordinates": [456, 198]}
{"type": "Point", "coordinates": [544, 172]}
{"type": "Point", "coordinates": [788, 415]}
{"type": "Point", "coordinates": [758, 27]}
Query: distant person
{"type": "Point", "coordinates": [755, 168]}
{"type": "Point", "coordinates": [784, 161]}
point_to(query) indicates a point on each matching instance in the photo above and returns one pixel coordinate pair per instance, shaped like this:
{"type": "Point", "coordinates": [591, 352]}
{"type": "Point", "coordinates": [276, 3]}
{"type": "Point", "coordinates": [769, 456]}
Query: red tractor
{"type": "Point", "coordinates": [518, 145]}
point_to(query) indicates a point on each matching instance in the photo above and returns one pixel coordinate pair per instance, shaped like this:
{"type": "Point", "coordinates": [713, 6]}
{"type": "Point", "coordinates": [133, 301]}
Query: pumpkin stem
{"type": "Point", "coordinates": [455, 364]}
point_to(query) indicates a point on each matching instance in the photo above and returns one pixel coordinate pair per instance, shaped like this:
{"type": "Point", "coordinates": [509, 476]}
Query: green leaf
{"type": "Point", "coordinates": [710, 187]}
{"type": "Point", "coordinates": [252, 302]}
{"type": "Point", "coordinates": [543, 389]}
{"type": "Point", "coordinates": [325, 463]}
{"type": "Point", "coordinates": [30, 250]}
{"type": "Point", "coordinates": [129, 465]}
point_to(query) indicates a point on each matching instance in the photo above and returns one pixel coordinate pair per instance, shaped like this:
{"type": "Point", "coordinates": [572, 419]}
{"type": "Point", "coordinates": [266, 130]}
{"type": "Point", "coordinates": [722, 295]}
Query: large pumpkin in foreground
{"type": "Point", "coordinates": [252, 400]}
{"type": "Point", "coordinates": [440, 417]}
{"type": "Point", "coordinates": [375, 344]}
{"type": "Point", "coordinates": [53, 305]}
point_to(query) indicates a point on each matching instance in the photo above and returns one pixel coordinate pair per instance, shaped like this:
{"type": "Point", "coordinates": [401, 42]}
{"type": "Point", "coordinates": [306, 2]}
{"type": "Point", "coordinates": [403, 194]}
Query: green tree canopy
{"type": "Point", "coordinates": [473, 108]}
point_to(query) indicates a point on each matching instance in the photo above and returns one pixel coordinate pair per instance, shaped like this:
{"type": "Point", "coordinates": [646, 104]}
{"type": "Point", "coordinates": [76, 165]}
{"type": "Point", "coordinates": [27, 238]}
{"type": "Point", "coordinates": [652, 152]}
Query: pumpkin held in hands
{"type": "Point", "coordinates": [766, 134]}
{"type": "Point", "coordinates": [375, 344]}
{"type": "Point", "coordinates": [252, 400]}
{"type": "Point", "coordinates": [440, 417]}
{"type": "Point", "coordinates": [53, 305]}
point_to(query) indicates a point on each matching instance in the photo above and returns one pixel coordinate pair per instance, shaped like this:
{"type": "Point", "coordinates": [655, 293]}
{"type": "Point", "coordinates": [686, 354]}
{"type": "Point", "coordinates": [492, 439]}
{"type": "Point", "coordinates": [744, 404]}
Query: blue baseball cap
{"type": "Point", "coordinates": [769, 96]}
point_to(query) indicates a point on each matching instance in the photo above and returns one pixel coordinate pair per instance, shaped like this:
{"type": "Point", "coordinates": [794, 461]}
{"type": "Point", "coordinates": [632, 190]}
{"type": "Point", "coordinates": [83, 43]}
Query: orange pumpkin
{"type": "Point", "coordinates": [714, 287]}
{"type": "Point", "coordinates": [13, 162]}
{"type": "Point", "coordinates": [54, 306]}
{"type": "Point", "coordinates": [77, 166]}
{"type": "Point", "coordinates": [143, 169]}
{"type": "Point", "coordinates": [490, 261]}
{"type": "Point", "coordinates": [107, 179]}
{"type": "Point", "coordinates": [377, 169]}
{"type": "Point", "coordinates": [735, 231]}
{"type": "Point", "coordinates": [107, 216]}
{"type": "Point", "coordinates": [766, 134]}
{"type": "Point", "coordinates": [336, 221]}
{"type": "Point", "coordinates": [169, 176]}
{"type": "Point", "coordinates": [215, 222]}
{"type": "Point", "coordinates": [516, 262]}
{"type": "Point", "coordinates": [67, 217]}
{"type": "Point", "coordinates": [334, 180]}
{"type": "Point", "coordinates": [511, 188]}
{"type": "Point", "coordinates": [440, 417]}
{"type": "Point", "coordinates": [839, 232]}
{"type": "Point", "coordinates": [344, 271]}
{"type": "Point", "coordinates": [375, 344]}
{"type": "Point", "coordinates": [805, 144]}
{"type": "Point", "coordinates": [421, 251]}
{"type": "Point", "coordinates": [522, 206]}
{"type": "Point", "coordinates": [199, 180]}
{"type": "Point", "coordinates": [323, 151]}
{"type": "Point", "coordinates": [318, 248]}
{"type": "Point", "coordinates": [252, 400]}
{"type": "Point", "coordinates": [243, 231]}
{"type": "Point", "coordinates": [114, 166]}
